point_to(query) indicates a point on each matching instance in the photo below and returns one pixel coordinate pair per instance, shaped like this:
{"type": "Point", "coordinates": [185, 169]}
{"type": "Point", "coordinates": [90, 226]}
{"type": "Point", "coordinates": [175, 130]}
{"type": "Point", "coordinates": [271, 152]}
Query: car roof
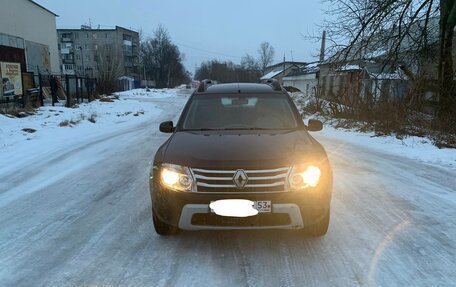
{"type": "Point", "coordinates": [239, 88]}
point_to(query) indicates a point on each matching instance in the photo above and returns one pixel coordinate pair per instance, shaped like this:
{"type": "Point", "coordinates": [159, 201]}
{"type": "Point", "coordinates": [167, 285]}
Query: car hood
{"type": "Point", "coordinates": [246, 150]}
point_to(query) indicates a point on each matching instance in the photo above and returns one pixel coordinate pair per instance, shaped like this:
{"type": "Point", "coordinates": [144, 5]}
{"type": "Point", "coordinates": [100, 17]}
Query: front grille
{"type": "Point", "coordinates": [265, 180]}
{"type": "Point", "coordinates": [261, 219]}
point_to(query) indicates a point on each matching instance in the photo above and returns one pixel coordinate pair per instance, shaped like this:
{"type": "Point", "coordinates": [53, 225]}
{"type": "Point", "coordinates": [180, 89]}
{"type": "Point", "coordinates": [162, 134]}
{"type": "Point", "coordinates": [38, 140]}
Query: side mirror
{"type": "Point", "coordinates": [314, 126]}
{"type": "Point", "coordinates": [167, 127]}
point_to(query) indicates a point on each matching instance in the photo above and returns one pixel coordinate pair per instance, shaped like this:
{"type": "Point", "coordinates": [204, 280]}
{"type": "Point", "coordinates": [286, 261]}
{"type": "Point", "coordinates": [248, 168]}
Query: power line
{"type": "Point", "coordinates": [207, 51]}
{"type": "Point", "coordinates": [198, 49]}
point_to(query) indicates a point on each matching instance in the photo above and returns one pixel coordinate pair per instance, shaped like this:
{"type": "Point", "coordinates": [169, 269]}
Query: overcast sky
{"type": "Point", "coordinates": [205, 29]}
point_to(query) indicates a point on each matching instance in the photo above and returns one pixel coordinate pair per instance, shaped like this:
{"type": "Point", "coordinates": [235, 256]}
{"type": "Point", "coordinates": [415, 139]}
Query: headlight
{"type": "Point", "coordinates": [176, 177]}
{"type": "Point", "coordinates": [303, 176]}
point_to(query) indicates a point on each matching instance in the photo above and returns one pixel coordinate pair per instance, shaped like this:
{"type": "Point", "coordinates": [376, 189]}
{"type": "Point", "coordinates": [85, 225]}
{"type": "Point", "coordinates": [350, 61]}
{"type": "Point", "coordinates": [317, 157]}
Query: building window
{"type": "Point", "coordinates": [67, 36]}
{"type": "Point", "coordinates": [87, 57]}
{"type": "Point", "coordinates": [106, 35]}
{"type": "Point", "coordinates": [94, 36]}
{"type": "Point", "coordinates": [68, 67]}
{"type": "Point", "coordinates": [87, 35]}
{"type": "Point", "coordinates": [86, 46]}
{"type": "Point", "coordinates": [67, 45]}
{"type": "Point", "coordinates": [331, 86]}
{"type": "Point", "coordinates": [78, 57]}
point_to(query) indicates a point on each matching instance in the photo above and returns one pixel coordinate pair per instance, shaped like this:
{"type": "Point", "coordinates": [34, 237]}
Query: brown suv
{"type": "Point", "coordinates": [240, 157]}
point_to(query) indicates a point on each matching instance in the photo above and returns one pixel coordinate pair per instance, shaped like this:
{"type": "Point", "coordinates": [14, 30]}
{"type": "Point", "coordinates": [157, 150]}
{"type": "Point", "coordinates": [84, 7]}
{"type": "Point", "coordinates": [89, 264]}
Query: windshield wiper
{"type": "Point", "coordinates": [244, 129]}
{"type": "Point", "coordinates": [202, 129]}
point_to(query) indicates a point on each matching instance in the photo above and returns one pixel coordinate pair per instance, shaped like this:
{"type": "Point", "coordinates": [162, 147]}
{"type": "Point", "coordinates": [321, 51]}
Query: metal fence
{"type": "Point", "coordinates": [45, 89]}
{"type": "Point", "coordinates": [69, 88]}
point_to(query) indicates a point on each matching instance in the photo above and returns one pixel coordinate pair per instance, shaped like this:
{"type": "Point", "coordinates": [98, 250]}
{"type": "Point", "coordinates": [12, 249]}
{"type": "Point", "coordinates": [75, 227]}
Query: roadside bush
{"type": "Point", "coordinates": [106, 100]}
{"type": "Point", "coordinates": [64, 123]}
{"type": "Point", "coordinates": [291, 89]}
{"type": "Point", "coordinates": [397, 117]}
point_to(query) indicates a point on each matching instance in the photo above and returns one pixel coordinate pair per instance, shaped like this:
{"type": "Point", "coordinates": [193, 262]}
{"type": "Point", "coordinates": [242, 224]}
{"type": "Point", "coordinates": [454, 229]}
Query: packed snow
{"type": "Point", "coordinates": [417, 148]}
{"type": "Point", "coordinates": [75, 209]}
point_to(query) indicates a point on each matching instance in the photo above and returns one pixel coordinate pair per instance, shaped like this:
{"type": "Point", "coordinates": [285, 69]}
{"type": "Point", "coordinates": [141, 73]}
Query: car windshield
{"type": "Point", "coordinates": [235, 112]}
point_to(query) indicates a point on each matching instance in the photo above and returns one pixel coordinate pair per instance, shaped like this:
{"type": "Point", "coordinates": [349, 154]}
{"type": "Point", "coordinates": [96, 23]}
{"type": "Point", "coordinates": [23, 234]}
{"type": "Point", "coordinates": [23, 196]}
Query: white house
{"type": "Point", "coordinates": [304, 79]}
{"type": "Point", "coordinates": [280, 70]}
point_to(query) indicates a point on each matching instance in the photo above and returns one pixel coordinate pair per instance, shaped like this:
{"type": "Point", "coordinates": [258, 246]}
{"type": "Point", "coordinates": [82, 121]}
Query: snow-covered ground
{"type": "Point", "coordinates": [417, 148]}
{"type": "Point", "coordinates": [75, 210]}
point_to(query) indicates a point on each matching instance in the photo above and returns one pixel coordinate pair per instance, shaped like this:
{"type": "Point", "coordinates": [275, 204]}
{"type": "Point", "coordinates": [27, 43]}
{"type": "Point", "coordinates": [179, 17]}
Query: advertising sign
{"type": "Point", "coordinates": [11, 76]}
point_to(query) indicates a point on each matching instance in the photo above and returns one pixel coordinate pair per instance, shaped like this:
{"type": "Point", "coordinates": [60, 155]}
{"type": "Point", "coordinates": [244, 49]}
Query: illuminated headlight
{"type": "Point", "coordinates": [304, 176]}
{"type": "Point", "coordinates": [176, 177]}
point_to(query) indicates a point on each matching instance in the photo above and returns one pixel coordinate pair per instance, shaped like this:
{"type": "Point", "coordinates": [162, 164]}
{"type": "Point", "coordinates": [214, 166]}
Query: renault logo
{"type": "Point", "coordinates": [240, 178]}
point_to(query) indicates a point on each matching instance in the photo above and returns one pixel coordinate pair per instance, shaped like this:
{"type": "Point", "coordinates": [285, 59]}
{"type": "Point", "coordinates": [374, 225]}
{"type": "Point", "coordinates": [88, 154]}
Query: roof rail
{"type": "Point", "coordinates": [274, 84]}
{"type": "Point", "coordinates": [204, 84]}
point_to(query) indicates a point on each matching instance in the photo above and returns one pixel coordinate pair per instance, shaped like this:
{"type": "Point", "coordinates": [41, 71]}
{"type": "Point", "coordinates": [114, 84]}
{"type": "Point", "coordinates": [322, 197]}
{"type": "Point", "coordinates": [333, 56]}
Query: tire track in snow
{"type": "Point", "coordinates": [245, 266]}
{"type": "Point", "coordinates": [288, 280]}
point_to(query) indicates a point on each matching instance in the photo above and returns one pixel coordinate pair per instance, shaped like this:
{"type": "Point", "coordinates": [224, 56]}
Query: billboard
{"type": "Point", "coordinates": [11, 76]}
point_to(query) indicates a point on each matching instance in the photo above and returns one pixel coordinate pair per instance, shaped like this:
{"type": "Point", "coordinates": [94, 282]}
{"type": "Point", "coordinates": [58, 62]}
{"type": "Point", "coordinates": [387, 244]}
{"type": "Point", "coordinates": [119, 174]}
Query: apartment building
{"type": "Point", "coordinates": [81, 49]}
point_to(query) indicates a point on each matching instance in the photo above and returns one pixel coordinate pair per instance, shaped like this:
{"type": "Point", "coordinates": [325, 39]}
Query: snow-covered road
{"type": "Point", "coordinates": [89, 223]}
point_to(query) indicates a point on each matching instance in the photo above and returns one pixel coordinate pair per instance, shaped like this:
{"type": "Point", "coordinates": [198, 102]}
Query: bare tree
{"type": "Point", "coordinates": [163, 60]}
{"type": "Point", "coordinates": [109, 66]}
{"type": "Point", "coordinates": [266, 55]}
{"type": "Point", "coordinates": [402, 32]}
{"type": "Point", "coordinates": [248, 62]}
{"type": "Point", "coordinates": [228, 72]}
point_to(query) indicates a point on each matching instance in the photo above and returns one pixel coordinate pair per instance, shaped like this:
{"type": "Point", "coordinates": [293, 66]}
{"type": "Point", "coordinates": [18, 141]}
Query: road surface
{"type": "Point", "coordinates": [393, 223]}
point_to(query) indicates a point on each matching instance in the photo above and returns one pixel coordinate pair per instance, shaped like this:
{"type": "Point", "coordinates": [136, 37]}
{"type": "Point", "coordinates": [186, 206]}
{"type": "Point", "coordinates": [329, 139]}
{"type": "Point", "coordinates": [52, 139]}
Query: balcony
{"type": "Point", "coordinates": [66, 39]}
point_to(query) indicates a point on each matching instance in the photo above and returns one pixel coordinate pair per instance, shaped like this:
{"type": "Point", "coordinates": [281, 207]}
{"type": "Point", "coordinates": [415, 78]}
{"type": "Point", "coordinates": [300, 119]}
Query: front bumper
{"type": "Point", "coordinates": [189, 210]}
{"type": "Point", "coordinates": [301, 207]}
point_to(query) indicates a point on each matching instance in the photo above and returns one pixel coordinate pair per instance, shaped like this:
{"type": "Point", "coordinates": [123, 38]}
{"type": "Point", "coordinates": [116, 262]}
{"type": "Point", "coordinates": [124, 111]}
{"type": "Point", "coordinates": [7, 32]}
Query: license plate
{"type": "Point", "coordinates": [263, 206]}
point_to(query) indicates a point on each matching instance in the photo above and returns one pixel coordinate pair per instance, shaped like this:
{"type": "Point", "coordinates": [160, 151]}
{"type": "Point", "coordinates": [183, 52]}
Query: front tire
{"type": "Point", "coordinates": [320, 228]}
{"type": "Point", "coordinates": [163, 228]}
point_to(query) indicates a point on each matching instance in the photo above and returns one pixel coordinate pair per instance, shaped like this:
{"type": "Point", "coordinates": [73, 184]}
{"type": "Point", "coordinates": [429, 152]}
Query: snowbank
{"type": "Point", "coordinates": [54, 128]}
{"type": "Point", "coordinates": [413, 147]}
{"type": "Point", "coordinates": [152, 93]}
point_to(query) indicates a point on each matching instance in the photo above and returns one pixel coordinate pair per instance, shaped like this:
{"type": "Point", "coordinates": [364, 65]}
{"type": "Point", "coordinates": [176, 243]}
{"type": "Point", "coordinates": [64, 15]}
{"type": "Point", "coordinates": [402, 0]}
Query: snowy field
{"type": "Point", "coordinates": [75, 209]}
